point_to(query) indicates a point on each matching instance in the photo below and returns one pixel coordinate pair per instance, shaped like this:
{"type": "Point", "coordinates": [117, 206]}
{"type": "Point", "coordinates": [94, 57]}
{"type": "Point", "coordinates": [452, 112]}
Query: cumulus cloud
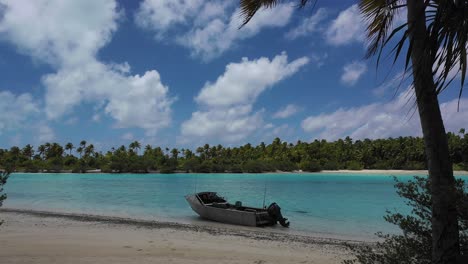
{"type": "Point", "coordinates": [243, 82]}
{"type": "Point", "coordinates": [287, 111]}
{"type": "Point", "coordinates": [229, 125]}
{"type": "Point", "coordinates": [308, 25]}
{"type": "Point", "coordinates": [211, 27]}
{"type": "Point", "coordinates": [127, 136]}
{"type": "Point", "coordinates": [381, 120]}
{"type": "Point", "coordinates": [352, 72]}
{"type": "Point", "coordinates": [15, 110]}
{"type": "Point", "coordinates": [346, 28]}
{"type": "Point", "coordinates": [55, 32]}
{"type": "Point", "coordinates": [133, 101]}
{"type": "Point", "coordinates": [217, 36]}
{"type": "Point", "coordinates": [226, 106]}
{"type": "Point", "coordinates": [69, 43]}
{"type": "Point", "coordinates": [45, 134]}
{"type": "Point", "coordinates": [161, 15]}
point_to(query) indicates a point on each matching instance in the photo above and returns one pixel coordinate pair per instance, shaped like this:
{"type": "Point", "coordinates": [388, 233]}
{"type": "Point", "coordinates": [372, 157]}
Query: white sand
{"type": "Point", "coordinates": [30, 238]}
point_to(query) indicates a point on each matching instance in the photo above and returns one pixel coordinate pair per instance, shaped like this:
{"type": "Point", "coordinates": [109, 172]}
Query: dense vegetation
{"type": "Point", "coordinates": [3, 179]}
{"type": "Point", "coordinates": [392, 153]}
{"type": "Point", "coordinates": [414, 244]}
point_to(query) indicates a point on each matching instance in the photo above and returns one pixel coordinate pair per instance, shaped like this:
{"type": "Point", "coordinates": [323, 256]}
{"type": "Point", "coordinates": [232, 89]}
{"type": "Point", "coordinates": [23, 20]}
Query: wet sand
{"type": "Point", "coordinates": [43, 237]}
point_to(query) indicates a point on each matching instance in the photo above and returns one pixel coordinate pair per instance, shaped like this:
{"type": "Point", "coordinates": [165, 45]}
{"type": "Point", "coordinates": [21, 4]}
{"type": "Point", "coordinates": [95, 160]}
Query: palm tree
{"type": "Point", "coordinates": [435, 38]}
{"type": "Point", "coordinates": [69, 146]}
{"type": "Point", "coordinates": [83, 144]}
{"type": "Point", "coordinates": [41, 149]}
{"type": "Point", "coordinates": [148, 150]}
{"type": "Point", "coordinates": [135, 145]}
{"type": "Point", "coordinates": [28, 151]}
{"type": "Point", "coordinates": [89, 150]}
{"type": "Point", "coordinates": [80, 151]}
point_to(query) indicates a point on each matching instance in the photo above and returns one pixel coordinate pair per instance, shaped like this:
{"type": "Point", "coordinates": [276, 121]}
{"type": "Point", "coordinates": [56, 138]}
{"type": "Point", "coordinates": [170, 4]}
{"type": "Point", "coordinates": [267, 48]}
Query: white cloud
{"type": "Point", "coordinates": [45, 134]}
{"type": "Point", "coordinates": [382, 120]}
{"type": "Point", "coordinates": [399, 80]}
{"type": "Point", "coordinates": [229, 125]}
{"type": "Point", "coordinates": [16, 110]}
{"type": "Point", "coordinates": [287, 111]}
{"type": "Point", "coordinates": [243, 82]}
{"type": "Point", "coordinates": [348, 27]}
{"type": "Point", "coordinates": [70, 44]}
{"type": "Point", "coordinates": [161, 15]}
{"type": "Point", "coordinates": [55, 32]}
{"type": "Point", "coordinates": [127, 136]}
{"type": "Point", "coordinates": [226, 113]}
{"type": "Point", "coordinates": [208, 31]}
{"type": "Point", "coordinates": [219, 35]}
{"type": "Point", "coordinates": [282, 131]}
{"type": "Point", "coordinates": [308, 25]}
{"type": "Point", "coordinates": [133, 101]}
{"type": "Point", "coordinates": [352, 72]}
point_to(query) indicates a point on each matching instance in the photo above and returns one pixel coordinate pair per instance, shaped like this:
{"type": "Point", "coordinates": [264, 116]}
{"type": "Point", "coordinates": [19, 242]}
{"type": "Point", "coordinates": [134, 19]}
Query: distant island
{"type": "Point", "coordinates": [402, 153]}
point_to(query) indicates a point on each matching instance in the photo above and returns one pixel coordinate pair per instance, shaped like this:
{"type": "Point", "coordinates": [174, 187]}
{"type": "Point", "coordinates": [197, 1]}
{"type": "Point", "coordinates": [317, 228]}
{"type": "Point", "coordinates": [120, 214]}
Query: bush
{"type": "Point", "coordinates": [284, 165]}
{"type": "Point", "coordinates": [235, 168]}
{"type": "Point", "coordinates": [310, 166]}
{"type": "Point", "coordinates": [253, 166]}
{"type": "Point", "coordinates": [415, 244]}
{"type": "Point", "coordinates": [460, 166]}
{"type": "Point", "coordinates": [330, 165]}
{"type": "Point", "coordinates": [3, 179]}
{"type": "Point", "coordinates": [354, 165]}
{"type": "Point", "coordinates": [414, 165]}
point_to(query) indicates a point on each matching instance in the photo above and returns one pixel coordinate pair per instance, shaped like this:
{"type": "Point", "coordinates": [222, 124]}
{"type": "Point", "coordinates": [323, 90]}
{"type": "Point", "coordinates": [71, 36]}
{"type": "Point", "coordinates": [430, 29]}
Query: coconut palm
{"type": "Point", "coordinates": [83, 144]}
{"type": "Point", "coordinates": [89, 150]}
{"type": "Point", "coordinates": [28, 151]}
{"type": "Point", "coordinates": [135, 145]}
{"type": "Point", "coordinates": [435, 40]}
{"type": "Point", "coordinates": [41, 149]}
{"type": "Point", "coordinates": [80, 151]}
{"type": "Point", "coordinates": [69, 146]}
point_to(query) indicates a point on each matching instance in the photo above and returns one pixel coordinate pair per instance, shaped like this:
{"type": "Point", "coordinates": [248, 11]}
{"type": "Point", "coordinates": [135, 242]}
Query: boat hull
{"type": "Point", "coordinates": [230, 216]}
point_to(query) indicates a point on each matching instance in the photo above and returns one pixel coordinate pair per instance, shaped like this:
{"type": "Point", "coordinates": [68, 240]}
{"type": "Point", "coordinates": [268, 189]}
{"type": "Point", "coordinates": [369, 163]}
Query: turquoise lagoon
{"type": "Point", "coordinates": [331, 205]}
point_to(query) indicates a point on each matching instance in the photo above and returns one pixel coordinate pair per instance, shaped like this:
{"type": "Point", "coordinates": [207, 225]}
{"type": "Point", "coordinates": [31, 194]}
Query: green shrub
{"type": "Point", "coordinates": [330, 165]}
{"type": "Point", "coordinates": [253, 166]}
{"type": "Point", "coordinates": [354, 165]}
{"type": "Point", "coordinates": [310, 166]}
{"type": "Point", "coordinates": [414, 245]}
{"type": "Point", "coordinates": [235, 168]}
{"type": "Point", "coordinates": [3, 180]}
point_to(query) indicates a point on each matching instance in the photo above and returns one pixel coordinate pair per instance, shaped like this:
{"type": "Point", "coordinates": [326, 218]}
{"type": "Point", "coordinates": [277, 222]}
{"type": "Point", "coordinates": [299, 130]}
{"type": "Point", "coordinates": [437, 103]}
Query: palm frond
{"type": "Point", "coordinates": [447, 33]}
{"type": "Point", "coordinates": [447, 36]}
{"type": "Point", "coordinates": [248, 8]}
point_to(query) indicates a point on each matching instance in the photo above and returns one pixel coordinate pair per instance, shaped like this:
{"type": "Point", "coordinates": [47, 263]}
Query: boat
{"type": "Point", "coordinates": [211, 206]}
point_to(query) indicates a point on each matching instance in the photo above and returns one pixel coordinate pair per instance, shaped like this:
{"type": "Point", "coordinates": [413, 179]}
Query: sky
{"type": "Point", "coordinates": [180, 73]}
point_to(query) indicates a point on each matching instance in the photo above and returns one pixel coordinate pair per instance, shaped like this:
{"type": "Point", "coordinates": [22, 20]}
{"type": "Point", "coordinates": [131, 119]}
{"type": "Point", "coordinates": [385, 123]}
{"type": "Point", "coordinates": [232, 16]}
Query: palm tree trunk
{"type": "Point", "coordinates": [445, 232]}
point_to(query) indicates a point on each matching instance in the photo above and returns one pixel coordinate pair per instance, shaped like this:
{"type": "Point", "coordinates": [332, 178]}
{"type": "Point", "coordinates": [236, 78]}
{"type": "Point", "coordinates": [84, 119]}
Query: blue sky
{"type": "Point", "coordinates": [179, 73]}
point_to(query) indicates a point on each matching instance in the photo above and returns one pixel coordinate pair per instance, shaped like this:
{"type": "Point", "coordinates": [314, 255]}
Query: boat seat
{"type": "Point", "coordinates": [220, 205]}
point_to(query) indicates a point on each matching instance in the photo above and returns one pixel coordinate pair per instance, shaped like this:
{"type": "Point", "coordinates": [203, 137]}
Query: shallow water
{"type": "Point", "coordinates": [336, 205]}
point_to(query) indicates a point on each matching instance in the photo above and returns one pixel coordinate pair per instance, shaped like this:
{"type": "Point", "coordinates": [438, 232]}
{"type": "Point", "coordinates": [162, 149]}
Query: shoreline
{"type": "Point", "coordinates": [360, 172]}
{"type": "Point", "coordinates": [44, 237]}
{"type": "Point", "coordinates": [214, 228]}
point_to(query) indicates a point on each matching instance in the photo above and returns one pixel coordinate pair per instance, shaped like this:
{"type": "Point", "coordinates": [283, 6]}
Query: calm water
{"type": "Point", "coordinates": [328, 204]}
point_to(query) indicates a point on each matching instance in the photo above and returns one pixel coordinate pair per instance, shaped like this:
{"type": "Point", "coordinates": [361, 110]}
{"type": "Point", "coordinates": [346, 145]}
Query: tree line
{"type": "Point", "coordinates": [405, 153]}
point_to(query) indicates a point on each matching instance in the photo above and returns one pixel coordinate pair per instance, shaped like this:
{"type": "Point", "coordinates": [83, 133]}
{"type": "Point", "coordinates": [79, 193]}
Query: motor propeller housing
{"type": "Point", "coordinates": [274, 211]}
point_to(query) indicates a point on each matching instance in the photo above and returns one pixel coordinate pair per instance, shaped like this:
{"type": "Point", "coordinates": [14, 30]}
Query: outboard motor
{"type": "Point", "coordinates": [274, 211]}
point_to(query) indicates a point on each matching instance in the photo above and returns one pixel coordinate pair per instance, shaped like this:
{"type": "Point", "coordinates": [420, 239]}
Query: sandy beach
{"type": "Point", "coordinates": [38, 237]}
